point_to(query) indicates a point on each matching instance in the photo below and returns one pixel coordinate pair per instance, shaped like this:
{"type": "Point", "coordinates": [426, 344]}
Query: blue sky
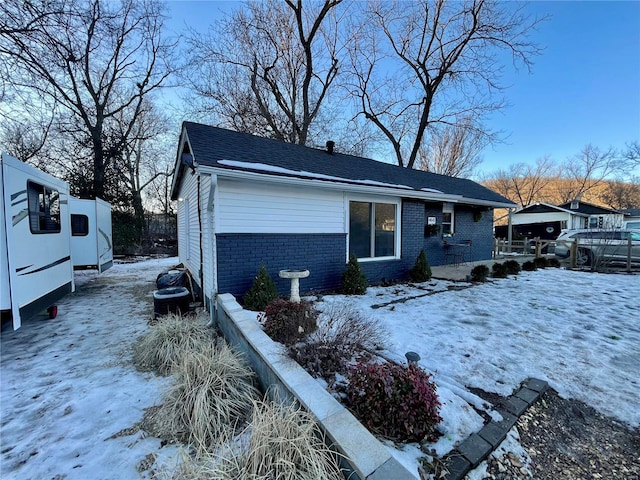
{"type": "Point", "coordinates": [584, 88]}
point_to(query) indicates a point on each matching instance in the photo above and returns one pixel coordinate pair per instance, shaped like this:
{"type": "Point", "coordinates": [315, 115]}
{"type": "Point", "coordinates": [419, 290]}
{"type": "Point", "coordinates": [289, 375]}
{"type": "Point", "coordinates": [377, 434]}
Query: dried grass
{"type": "Point", "coordinates": [169, 340]}
{"type": "Point", "coordinates": [212, 396]}
{"type": "Point", "coordinates": [281, 442]}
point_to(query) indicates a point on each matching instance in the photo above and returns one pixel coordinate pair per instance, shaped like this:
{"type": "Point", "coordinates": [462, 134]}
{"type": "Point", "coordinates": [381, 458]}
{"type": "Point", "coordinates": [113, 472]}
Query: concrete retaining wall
{"type": "Point", "coordinates": [287, 381]}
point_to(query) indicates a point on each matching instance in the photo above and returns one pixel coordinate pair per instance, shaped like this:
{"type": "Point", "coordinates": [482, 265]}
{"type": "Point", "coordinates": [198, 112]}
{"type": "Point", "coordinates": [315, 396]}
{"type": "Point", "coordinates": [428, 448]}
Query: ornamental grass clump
{"type": "Point", "coordinates": [394, 401]}
{"type": "Point", "coordinates": [281, 442]}
{"type": "Point", "coordinates": [168, 340]}
{"type": "Point", "coordinates": [288, 322]}
{"type": "Point", "coordinates": [263, 291]}
{"type": "Point", "coordinates": [421, 271]}
{"type": "Point", "coordinates": [213, 395]}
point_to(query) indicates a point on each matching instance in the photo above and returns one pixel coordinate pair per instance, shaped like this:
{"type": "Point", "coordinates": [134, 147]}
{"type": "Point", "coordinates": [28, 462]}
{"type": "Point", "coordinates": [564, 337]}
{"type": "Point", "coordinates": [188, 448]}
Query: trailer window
{"type": "Point", "coordinates": [44, 209]}
{"type": "Point", "coordinates": [79, 225]}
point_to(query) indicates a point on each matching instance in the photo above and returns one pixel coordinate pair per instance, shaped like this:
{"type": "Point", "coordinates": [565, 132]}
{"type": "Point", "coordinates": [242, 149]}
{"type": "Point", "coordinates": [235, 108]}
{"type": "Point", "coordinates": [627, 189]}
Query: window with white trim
{"type": "Point", "coordinates": [448, 219]}
{"type": "Point", "coordinates": [373, 231]}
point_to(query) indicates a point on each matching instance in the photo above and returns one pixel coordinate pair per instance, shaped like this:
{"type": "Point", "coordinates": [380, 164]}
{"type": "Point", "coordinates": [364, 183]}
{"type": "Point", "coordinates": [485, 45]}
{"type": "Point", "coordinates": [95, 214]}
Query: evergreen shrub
{"type": "Point", "coordinates": [421, 271]}
{"type": "Point", "coordinates": [513, 267]}
{"type": "Point", "coordinates": [499, 270]}
{"type": "Point", "coordinates": [529, 266]}
{"type": "Point", "coordinates": [262, 291]}
{"type": "Point", "coordinates": [354, 281]}
{"type": "Point", "coordinates": [480, 273]}
{"type": "Point", "coordinates": [554, 262]}
{"type": "Point", "coordinates": [541, 262]}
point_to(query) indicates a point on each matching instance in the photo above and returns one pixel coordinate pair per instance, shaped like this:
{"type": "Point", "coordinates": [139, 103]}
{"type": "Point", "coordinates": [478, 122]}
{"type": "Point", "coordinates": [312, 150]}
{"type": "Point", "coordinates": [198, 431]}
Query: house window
{"type": "Point", "coordinates": [373, 229]}
{"type": "Point", "coordinates": [44, 209]}
{"type": "Point", "coordinates": [79, 225]}
{"type": "Point", "coordinates": [448, 219]}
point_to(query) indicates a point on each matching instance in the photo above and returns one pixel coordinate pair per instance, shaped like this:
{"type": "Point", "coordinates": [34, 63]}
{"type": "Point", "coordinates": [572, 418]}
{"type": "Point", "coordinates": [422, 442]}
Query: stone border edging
{"type": "Point", "coordinates": [285, 380]}
{"type": "Point", "coordinates": [478, 446]}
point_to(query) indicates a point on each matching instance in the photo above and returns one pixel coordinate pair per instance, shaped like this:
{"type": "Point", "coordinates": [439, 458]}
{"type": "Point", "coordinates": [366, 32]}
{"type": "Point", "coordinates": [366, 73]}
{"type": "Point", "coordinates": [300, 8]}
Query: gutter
{"type": "Point", "coordinates": [351, 187]}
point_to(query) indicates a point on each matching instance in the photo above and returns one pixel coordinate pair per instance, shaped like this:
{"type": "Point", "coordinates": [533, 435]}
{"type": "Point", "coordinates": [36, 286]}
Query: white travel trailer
{"type": "Point", "coordinates": [91, 239]}
{"type": "Point", "coordinates": [35, 245]}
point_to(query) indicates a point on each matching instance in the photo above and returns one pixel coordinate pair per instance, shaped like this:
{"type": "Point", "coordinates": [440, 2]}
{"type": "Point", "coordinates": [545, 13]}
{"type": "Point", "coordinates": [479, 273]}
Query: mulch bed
{"type": "Point", "coordinates": [568, 439]}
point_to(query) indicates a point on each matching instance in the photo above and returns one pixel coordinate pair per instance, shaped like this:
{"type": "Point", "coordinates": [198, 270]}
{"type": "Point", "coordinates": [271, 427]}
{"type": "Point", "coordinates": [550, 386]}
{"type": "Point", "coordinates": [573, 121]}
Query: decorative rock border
{"type": "Point", "coordinates": [478, 446]}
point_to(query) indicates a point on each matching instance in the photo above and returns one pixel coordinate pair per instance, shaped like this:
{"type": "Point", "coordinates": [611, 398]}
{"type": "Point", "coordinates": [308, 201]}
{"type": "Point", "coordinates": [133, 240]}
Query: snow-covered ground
{"type": "Point", "coordinates": [70, 396]}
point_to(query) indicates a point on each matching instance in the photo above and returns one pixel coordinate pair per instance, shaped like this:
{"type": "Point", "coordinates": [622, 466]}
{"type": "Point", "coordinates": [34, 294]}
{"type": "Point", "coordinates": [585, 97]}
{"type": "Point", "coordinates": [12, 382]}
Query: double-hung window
{"type": "Point", "coordinates": [373, 229]}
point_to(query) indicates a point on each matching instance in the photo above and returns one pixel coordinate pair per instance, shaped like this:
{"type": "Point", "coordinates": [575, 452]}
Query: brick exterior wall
{"type": "Point", "coordinates": [241, 255]}
{"type": "Point", "coordinates": [466, 228]}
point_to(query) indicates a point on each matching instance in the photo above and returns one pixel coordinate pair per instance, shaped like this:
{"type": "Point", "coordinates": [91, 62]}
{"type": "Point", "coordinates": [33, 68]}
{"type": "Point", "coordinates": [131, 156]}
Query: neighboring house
{"type": "Point", "coordinates": [631, 218]}
{"type": "Point", "coordinates": [546, 221]}
{"type": "Point", "coordinates": [244, 201]}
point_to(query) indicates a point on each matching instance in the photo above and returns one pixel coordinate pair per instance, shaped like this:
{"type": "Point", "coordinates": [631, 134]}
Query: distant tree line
{"type": "Point", "coordinates": [607, 177]}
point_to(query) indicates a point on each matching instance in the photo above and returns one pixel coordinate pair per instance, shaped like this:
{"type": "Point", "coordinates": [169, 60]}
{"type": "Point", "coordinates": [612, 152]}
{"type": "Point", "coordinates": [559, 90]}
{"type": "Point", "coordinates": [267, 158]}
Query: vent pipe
{"type": "Point", "coordinates": [330, 145]}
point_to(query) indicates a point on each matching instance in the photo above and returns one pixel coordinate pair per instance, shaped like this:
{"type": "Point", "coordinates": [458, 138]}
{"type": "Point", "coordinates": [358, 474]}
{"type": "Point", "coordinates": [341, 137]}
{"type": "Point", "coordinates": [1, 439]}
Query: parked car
{"type": "Point", "coordinates": [599, 245]}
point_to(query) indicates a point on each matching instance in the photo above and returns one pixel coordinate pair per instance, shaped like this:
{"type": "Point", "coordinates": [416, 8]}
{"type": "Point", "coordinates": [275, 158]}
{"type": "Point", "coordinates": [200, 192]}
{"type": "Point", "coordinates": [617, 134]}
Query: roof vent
{"type": "Point", "coordinates": [575, 204]}
{"type": "Point", "coordinates": [330, 145]}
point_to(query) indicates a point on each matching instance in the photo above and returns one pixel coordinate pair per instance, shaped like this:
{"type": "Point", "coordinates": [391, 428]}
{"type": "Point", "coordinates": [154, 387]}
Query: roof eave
{"type": "Point", "coordinates": [350, 186]}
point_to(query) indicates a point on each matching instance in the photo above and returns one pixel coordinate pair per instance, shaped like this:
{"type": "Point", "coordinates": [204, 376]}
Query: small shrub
{"type": "Point", "coordinates": [499, 270]}
{"type": "Point", "coordinates": [342, 334]}
{"type": "Point", "coordinates": [421, 271]}
{"type": "Point", "coordinates": [554, 262]}
{"type": "Point", "coordinates": [354, 281]}
{"type": "Point", "coordinates": [262, 291]}
{"type": "Point", "coordinates": [513, 267]}
{"type": "Point", "coordinates": [288, 322]}
{"type": "Point", "coordinates": [395, 401]}
{"type": "Point", "coordinates": [480, 273]}
{"type": "Point", "coordinates": [541, 262]}
{"type": "Point", "coordinates": [167, 341]}
{"type": "Point", "coordinates": [529, 266]}
{"type": "Point", "coordinates": [213, 394]}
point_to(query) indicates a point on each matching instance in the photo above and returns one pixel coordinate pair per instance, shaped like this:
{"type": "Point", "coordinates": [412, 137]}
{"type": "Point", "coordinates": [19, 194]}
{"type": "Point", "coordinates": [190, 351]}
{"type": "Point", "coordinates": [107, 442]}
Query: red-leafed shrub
{"type": "Point", "coordinates": [288, 322]}
{"type": "Point", "coordinates": [394, 401]}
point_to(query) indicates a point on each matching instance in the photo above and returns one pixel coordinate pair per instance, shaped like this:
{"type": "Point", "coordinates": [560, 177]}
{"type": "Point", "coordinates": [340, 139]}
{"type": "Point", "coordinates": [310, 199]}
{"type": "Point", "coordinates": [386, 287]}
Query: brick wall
{"type": "Point", "coordinates": [466, 228]}
{"type": "Point", "coordinates": [241, 255]}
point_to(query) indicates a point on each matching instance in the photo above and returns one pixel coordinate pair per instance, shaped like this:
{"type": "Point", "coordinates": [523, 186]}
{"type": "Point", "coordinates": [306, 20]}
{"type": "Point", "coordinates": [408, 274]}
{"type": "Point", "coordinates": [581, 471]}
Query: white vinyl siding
{"type": "Point", "coordinates": [252, 207]}
{"type": "Point", "coordinates": [188, 228]}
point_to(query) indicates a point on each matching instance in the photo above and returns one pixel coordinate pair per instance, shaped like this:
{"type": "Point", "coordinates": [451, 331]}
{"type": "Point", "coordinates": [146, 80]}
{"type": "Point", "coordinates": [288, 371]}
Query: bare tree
{"type": "Point", "coordinates": [586, 171]}
{"type": "Point", "coordinates": [621, 195]}
{"type": "Point", "coordinates": [143, 157]}
{"type": "Point", "coordinates": [268, 68]}
{"type": "Point", "coordinates": [453, 150]}
{"type": "Point", "coordinates": [433, 61]}
{"type": "Point", "coordinates": [94, 58]}
{"type": "Point", "coordinates": [523, 183]}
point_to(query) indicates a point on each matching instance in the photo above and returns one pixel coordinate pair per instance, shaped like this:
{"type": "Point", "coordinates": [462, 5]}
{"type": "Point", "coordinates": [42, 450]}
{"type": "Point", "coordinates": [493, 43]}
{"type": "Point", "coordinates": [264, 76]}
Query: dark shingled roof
{"type": "Point", "coordinates": [210, 145]}
{"type": "Point", "coordinates": [588, 208]}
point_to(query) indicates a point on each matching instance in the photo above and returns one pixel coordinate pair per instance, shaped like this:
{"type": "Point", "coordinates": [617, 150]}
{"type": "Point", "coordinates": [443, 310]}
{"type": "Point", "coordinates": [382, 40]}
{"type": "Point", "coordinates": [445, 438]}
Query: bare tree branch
{"type": "Point", "coordinates": [433, 61]}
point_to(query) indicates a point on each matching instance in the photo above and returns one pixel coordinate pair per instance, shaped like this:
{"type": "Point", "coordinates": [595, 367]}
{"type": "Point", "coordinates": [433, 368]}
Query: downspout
{"type": "Point", "coordinates": [201, 267]}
